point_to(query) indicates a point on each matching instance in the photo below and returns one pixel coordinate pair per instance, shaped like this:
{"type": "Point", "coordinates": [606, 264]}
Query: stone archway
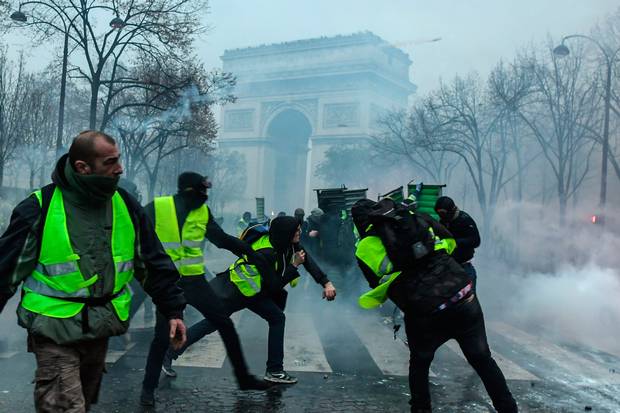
{"type": "Point", "coordinates": [288, 135]}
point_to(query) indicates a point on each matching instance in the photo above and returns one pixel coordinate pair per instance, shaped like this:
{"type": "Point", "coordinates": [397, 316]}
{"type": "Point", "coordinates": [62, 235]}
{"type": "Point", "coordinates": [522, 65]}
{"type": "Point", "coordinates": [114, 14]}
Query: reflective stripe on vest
{"type": "Point", "coordinates": [57, 274]}
{"type": "Point", "coordinates": [370, 251]}
{"type": "Point", "coordinates": [185, 248]}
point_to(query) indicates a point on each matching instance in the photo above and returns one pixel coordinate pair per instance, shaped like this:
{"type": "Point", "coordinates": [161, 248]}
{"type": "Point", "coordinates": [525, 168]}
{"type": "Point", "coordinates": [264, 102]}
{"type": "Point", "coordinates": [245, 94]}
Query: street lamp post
{"type": "Point", "coordinates": [20, 17]}
{"type": "Point", "coordinates": [561, 51]}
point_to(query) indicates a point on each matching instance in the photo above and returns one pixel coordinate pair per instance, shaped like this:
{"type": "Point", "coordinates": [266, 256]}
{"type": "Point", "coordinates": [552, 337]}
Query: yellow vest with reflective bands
{"type": "Point", "coordinates": [371, 251]}
{"type": "Point", "coordinates": [246, 276]}
{"type": "Point", "coordinates": [58, 276]}
{"type": "Point", "coordinates": [185, 249]}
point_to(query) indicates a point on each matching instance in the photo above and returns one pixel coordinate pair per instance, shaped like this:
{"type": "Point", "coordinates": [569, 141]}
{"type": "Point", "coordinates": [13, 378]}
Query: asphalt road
{"type": "Point", "coordinates": [346, 360]}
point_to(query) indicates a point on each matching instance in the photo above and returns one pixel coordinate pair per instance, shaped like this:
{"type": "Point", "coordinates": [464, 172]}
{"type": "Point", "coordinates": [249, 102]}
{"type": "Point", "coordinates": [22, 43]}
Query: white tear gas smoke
{"type": "Point", "coordinates": [179, 112]}
{"type": "Point", "coordinates": [557, 279]}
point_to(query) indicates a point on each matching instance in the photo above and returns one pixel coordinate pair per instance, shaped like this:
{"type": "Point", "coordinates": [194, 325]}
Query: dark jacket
{"type": "Point", "coordinates": [89, 227]}
{"type": "Point", "coordinates": [466, 235]}
{"type": "Point", "coordinates": [280, 271]}
{"type": "Point", "coordinates": [433, 281]}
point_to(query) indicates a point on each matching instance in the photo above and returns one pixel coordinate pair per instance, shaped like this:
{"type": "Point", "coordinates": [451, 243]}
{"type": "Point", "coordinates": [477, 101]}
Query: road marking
{"type": "Point", "coordinates": [112, 356]}
{"type": "Point", "coordinates": [7, 354]}
{"type": "Point", "coordinates": [510, 369]}
{"type": "Point", "coordinates": [208, 352]}
{"type": "Point", "coordinates": [303, 350]}
{"type": "Point", "coordinates": [391, 356]}
{"type": "Point", "coordinates": [582, 370]}
{"type": "Point", "coordinates": [137, 321]}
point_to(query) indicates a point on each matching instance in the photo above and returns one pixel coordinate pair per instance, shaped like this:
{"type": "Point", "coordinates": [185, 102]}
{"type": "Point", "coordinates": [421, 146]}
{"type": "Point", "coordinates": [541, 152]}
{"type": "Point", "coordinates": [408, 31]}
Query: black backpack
{"type": "Point", "coordinates": [254, 232]}
{"type": "Point", "coordinates": [405, 235]}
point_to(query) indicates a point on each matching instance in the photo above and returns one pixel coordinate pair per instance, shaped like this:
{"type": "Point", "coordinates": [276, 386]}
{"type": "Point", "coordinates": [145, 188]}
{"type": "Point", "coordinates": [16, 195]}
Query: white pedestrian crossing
{"type": "Point", "coordinates": [391, 356]}
{"type": "Point", "coordinates": [138, 322]}
{"type": "Point", "coordinates": [578, 369]}
{"type": "Point", "coordinates": [208, 352]}
{"type": "Point", "coordinates": [112, 356]}
{"type": "Point", "coordinates": [303, 350]}
{"type": "Point", "coordinates": [510, 369]}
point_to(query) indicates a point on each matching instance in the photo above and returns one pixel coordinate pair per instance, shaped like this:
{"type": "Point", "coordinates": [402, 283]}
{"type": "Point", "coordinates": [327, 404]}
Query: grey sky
{"type": "Point", "coordinates": [475, 33]}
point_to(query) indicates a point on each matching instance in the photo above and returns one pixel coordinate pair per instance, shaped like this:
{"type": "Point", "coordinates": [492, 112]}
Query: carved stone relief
{"type": "Point", "coordinates": [339, 115]}
{"type": "Point", "coordinates": [239, 120]}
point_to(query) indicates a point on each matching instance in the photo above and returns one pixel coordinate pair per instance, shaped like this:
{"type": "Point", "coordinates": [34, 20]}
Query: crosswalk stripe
{"type": "Point", "coordinates": [7, 354]}
{"type": "Point", "coordinates": [391, 356]}
{"type": "Point", "coordinates": [303, 350]}
{"type": "Point", "coordinates": [112, 356]}
{"type": "Point", "coordinates": [208, 352]}
{"type": "Point", "coordinates": [510, 369]}
{"type": "Point", "coordinates": [137, 321]}
{"type": "Point", "coordinates": [581, 369]}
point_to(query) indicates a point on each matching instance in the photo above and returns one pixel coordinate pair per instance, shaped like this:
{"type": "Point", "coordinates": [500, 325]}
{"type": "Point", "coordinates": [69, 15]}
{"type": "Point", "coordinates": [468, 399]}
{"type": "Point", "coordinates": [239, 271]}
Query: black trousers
{"type": "Point", "coordinates": [199, 295]}
{"type": "Point", "coordinates": [463, 322]}
{"type": "Point", "coordinates": [264, 307]}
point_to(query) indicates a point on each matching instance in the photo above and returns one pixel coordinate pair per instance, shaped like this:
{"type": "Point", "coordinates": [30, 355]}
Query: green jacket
{"type": "Point", "coordinates": [89, 227]}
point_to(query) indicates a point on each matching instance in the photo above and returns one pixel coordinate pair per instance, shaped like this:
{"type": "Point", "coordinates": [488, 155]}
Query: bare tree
{"type": "Point", "coordinates": [402, 138]}
{"type": "Point", "coordinates": [13, 99]}
{"type": "Point", "coordinates": [608, 37]}
{"type": "Point", "coordinates": [36, 151]}
{"type": "Point", "coordinates": [228, 172]}
{"type": "Point", "coordinates": [557, 99]}
{"type": "Point", "coordinates": [163, 30]}
{"type": "Point", "coordinates": [459, 118]}
{"type": "Point", "coordinates": [172, 114]}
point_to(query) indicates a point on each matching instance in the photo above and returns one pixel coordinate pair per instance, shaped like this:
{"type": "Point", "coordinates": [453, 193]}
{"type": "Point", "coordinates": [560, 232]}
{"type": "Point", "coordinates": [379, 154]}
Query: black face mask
{"type": "Point", "coordinates": [195, 199]}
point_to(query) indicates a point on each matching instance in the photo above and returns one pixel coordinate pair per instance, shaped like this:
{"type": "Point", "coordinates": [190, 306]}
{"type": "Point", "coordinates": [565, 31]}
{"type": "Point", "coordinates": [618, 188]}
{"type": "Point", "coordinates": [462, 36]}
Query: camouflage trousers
{"type": "Point", "coordinates": [68, 377]}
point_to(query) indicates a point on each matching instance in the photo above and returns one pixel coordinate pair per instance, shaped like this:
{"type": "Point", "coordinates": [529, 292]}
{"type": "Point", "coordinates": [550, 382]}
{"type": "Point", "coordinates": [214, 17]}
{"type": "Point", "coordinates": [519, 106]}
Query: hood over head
{"type": "Point", "coordinates": [281, 232]}
{"type": "Point", "coordinates": [359, 213]}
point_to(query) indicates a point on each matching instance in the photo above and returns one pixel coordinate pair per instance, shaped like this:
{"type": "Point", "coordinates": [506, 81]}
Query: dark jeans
{"type": "Point", "coordinates": [199, 295]}
{"type": "Point", "coordinates": [463, 322]}
{"type": "Point", "coordinates": [471, 271]}
{"type": "Point", "coordinates": [264, 307]}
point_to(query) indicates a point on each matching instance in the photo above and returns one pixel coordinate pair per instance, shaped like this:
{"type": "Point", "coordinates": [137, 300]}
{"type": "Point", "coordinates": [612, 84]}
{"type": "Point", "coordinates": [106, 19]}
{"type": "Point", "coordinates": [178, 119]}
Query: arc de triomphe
{"type": "Point", "coordinates": [297, 99]}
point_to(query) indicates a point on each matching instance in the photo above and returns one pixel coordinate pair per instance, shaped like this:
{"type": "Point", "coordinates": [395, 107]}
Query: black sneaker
{"type": "Point", "coordinates": [280, 377]}
{"type": "Point", "coordinates": [253, 383]}
{"type": "Point", "coordinates": [166, 365]}
{"type": "Point", "coordinates": [147, 397]}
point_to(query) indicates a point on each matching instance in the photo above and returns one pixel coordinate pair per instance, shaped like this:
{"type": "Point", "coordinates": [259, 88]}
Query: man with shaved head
{"type": "Point", "coordinates": [74, 245]}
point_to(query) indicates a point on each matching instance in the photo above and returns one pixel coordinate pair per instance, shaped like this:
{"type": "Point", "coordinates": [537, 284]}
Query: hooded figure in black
{"type": "Point", "coordinates": [283, 260]}
{"type": "Point", "coordinates": [437, 300]}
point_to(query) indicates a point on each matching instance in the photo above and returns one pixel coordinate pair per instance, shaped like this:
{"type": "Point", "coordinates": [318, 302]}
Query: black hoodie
{"type": "Point", "coordinates": [281, 233]}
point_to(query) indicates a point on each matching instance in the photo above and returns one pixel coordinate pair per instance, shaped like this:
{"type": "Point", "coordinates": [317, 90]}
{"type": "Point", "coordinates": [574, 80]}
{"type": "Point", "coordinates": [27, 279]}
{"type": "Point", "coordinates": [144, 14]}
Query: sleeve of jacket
{"type": "Point", "coordinates": [370, 276]}
{"type": "Point", "coordinates": [290, 273]}
{"type": "Point", "coordinates": [20, 247]}
{"type": "Point", "coordinates": [313, 268]}
{"type": "Point", "coordinates": [217, 236]}
{"type": "Point", "coordinates": [272, 282]}
{"type": "Point", "coordinates": [159, 276]}
{"type": "Point", "coordinates": [472, 237]}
